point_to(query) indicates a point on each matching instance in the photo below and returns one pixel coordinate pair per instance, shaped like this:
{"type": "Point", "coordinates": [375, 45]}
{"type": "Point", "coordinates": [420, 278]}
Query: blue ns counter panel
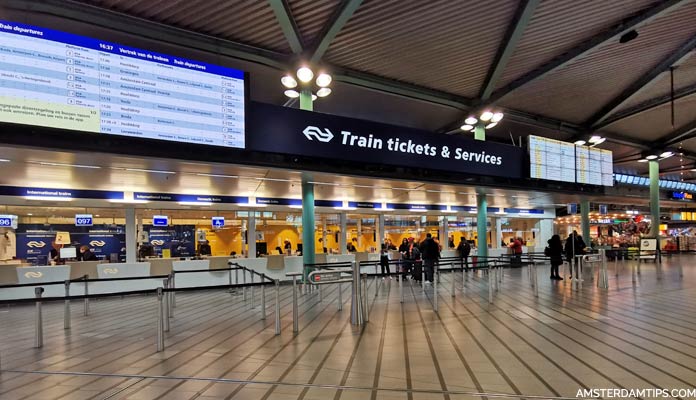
{"type": "Point", "coordinates": [60, 80]}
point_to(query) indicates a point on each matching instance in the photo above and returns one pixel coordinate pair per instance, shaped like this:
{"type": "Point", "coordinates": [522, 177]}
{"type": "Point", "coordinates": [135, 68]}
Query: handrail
{"type": "Point", "coordinates": [205, 270]}
{"type": "Point", "coordinates": [144, 291]}
{"type": "Point", "coordinates": [263, 276]}
{"type": "Point", "coordinates": [84, 279]}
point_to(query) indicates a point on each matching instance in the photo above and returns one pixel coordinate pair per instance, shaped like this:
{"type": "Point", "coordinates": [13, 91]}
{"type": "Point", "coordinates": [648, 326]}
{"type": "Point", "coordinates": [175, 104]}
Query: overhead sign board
{"type": "Point", "coordinates": [290, 131]}
{"type": "Point", "coordinates": [83, 220]}
{"type": "Point", "coordinates": [218, 222]}
{"type": "Point", "coordinates": [681, 196]}
{"type": "Point", "coordinates": [603, 209]}
{"type": "Point", "coordinates": [572, 208]}
{"type": "Point", "coordinates": [160, 220]}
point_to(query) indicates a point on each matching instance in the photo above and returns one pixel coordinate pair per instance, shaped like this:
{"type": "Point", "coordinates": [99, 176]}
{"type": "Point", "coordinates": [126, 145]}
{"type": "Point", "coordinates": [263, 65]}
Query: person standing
{"type": "Point", "coordinates": [516, 249]}
{"type": "Point", "coordinates": [86, 254]}
{"type": "Point", "coordinates": [430, 250]}
{"type": "Point", "coordinates": [574, 246]}
{"type": "Point", "coordinates": [463, 250]}
{"type": "Point", "coordinates": [384, 261]}
{"type": "Point", "coordinates": [555, 252]}
{"type": "Point", "coordinates": [411, 258]}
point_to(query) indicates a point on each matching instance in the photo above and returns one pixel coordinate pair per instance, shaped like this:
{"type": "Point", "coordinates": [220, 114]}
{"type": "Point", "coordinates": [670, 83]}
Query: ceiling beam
{"type": "Point", "coordinates": [658, 9]}
{"type": "Point", "coordinates": [685, 132]}
{"type": "Point", "coordinates": [281, 9]}
{"type": "Point", "coordinates": [337, 21]}
{"type": "Point", "coordinates": [514, 33]}
{"type": "Point", "coordinates": [678, 56]}
{"type": "Point", "coordinates": [83, 13]}
{"type": "Point", "coordinates": [647, 106]}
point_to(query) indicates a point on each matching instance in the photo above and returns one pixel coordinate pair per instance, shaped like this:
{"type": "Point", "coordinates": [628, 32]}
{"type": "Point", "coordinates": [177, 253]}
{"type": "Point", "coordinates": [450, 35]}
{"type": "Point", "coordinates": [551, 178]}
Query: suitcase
{"type": "Point", "coordinates": [417, 270]}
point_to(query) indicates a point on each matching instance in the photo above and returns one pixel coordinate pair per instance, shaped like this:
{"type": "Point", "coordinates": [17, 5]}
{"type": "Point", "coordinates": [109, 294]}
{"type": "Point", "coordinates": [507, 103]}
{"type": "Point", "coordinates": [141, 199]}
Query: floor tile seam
{"type": "Point", "coordinates": [436, 363]}
{"type": "Point", "coordinates": [601, 355]}
{"type": "Point", "coordinates": [503, 343]}
{"type": "Point", "coordinates": [220, 306]}
{"type": "Point", "coordinates": [549, 298]}
{"type": "Point", "coordinates": [242, 308]}
{"type": "Point", "coordinates": [547, 339]}
{"type": "Point", "coordinates": [307, 298]}
{"type": "Point", "coordinates": [86, 351]}
{"type": "Point", "coordinates": [114, 321]}
{"type": "Point", "coordinates": [289, 368]}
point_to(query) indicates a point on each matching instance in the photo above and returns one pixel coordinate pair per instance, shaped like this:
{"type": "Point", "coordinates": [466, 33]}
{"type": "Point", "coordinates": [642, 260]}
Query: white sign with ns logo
{"type": "Point", "coordinates": [312, 132]}
{"type": "Point", "coordinates": [33, 274]}
{"type": "Point", "coordinates": [110, 271]}
{"type": "Point", "coordinates": [34, 244]}
{"type": "Point", "coordinates": [97, 243]}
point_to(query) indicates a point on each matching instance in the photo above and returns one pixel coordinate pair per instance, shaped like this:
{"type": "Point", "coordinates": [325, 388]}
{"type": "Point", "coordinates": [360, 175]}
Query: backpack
{"type": "Point", "coordinates": [547, 251]}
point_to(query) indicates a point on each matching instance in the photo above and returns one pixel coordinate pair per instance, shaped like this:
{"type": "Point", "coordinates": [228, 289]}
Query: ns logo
{"type": "Point", "coordinates": [33, 274]}
{"type": "Point", "coordinates": [97, 243]}
{"type": "Point", "coordinates": [157, 242]}
{"type": "Point", "coordinates": [111, 271]}
{"type": "Point", "coordinates": [34, 244]}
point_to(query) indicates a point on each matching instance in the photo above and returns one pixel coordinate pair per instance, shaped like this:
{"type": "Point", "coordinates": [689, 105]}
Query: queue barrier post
{"type": "Point", "coordinates": [536, 279]}
{"type": "Point", "coordinates": [366, 305]}
{"type": "Point", "coordinates": [320, 293]}
{"type": "Point", "coordinates": [166, 305]}
{"type": "Point", "coordinates": [356, 297]}
{"type": "Point", "coordinates": [38, 337]}
{"type": "Point", "coordinates": [633, 273]}
{"type": "Point", "coordinates": [66, 310]}
{"type": "Point", "coordinates": [401, 287]}
{"type": "Point", "coordinates": [452, 293]}
{"type": "Point", "coordinates": [423, 277]}
{"type": "Point", "coordinates": [295, 322]}
{"type": "Point", "coordinates": [160, 320]}
{"type": "Point", "coordinates": [86, 301]}
{"type": "Point", "coordinates": [603, 279]}
{"type": "Point", "coordinates": [229, 278]}
{"type": "Point", "coordinates": [277, 306]}
{"type": "Point", "coordinates": [172, 295]}
{"type": "Point", "coordinates": [263, 297]}
{"type": "Point", "coordinates": [490, 284]}
{"type": "Point", "coordinates": [244, 291]}
{"type": "Point", "coordinates": [340, 296]}
{"type": "Point", "coordinates": [251, 289]}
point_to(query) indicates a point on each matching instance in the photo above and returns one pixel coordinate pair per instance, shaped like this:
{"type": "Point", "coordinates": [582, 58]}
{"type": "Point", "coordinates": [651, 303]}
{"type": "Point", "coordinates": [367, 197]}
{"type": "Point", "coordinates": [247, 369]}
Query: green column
{"type": "Point", "coordinates": [654, 167]}
{"type": "Point", "coordinates": [480, 132]}
{"type": "Point", "coordinates": [585, 221]}
{"type": "Point", "coordinates": [482, 224]}
{"type": "Point", "coordinates": [307, 199]}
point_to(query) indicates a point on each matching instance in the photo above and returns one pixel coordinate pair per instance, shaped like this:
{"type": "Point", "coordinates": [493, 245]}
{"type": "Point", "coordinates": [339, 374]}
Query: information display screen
{"type": "Point", "coordinates": [560, 161]}
{"type": "Point", "coordinates": [60, 80]}
{"type": "Point", "coordinates": [594, 166]}
{"type": "Point", "coordinates": [551, 159]}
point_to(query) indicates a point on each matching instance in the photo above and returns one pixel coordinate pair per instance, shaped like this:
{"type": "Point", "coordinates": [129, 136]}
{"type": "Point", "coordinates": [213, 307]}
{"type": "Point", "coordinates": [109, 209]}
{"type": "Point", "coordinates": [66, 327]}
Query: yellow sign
{"type": "Point", "coordinates": [166, 253]}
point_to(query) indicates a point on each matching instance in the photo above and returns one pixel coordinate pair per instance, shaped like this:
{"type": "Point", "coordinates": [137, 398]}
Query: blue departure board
{"type": "Point", "coordinates": [60, 80]}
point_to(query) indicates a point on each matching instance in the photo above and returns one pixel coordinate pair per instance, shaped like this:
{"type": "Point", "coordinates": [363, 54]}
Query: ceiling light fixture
{"type": "Point", "coordinates": [323, 80]}
{"type": "Point", "coordinates": [195, 203]}
{"type": "Point", "coordinates": [486, 116]}
{"type": "Point", "coordinates": [152, 171]}
{"type": "Point", "coordinates": [471, 120]}
{"type": "Point", "coordinates": [650, 157]}
{"type": "Point", "coordinates": [305, 74]}
{"type": "Point", "coordinates": [288, 81]}
{"type": "Point", "coordinates": [491, 125]}
{"type": "Point", "coordinates": [217, 175]}
{"type": "Point", "coordinates": [4, 160]}
{"type": "Point", "coordinates": [467, 127]}
{"type": "Point", "coordinates": [580, 142]}
{"type": "Point", "coordinates": [54, 164]}
{"type": "Point", "coordinates": [293, 94]}
{"type": "Point", "coordinates": [129, 201]}
{"type": "Point", "coordinates": [48, 198]}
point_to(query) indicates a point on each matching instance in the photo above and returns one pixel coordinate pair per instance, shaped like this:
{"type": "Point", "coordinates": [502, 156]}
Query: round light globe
{"type": "Point", "coordinates": [305, 74]}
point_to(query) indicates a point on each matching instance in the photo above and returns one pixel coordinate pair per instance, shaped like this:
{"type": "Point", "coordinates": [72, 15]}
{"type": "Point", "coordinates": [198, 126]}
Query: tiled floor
{"type": "Point", "coordinates": [640, 335]}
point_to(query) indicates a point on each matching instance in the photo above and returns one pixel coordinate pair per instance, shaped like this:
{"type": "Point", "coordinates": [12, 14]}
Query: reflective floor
{"type": "Point", "coordinates": [633, 335]}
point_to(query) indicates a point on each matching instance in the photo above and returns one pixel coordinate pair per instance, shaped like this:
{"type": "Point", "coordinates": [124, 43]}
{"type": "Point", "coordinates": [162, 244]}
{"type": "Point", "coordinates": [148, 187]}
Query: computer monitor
{"type": "Point", "coordinates": [262, 247]}
{"type": "Point", "coordinates": [68, 252]}
{"type": "Point", "coordinates": [299, 248]}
